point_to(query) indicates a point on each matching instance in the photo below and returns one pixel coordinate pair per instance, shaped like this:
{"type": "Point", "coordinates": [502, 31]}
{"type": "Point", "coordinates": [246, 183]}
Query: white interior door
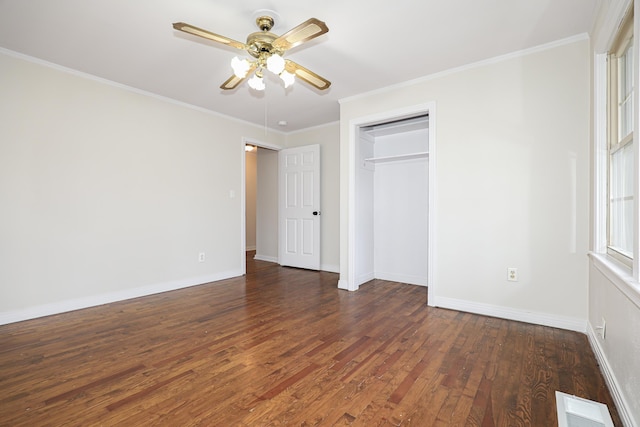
{"type": "Point", "coordinates": [299, 207]}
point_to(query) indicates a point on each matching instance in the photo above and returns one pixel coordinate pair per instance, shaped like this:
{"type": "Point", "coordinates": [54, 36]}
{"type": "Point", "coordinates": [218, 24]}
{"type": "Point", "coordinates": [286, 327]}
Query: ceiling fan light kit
{"type": "Point", "coordinates": [267, 50]}
{"type": "Point", "coordinates": [256, 82]}
{"type": "Point", "coordinates": [287, 78]}
{"type": "Point", "coordinates": [240, 67]}
{"type": "Point", "coordinates": [275, 63]}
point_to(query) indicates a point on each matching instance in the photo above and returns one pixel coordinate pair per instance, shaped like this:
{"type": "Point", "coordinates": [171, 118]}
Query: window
{"type": "Point", "coordinates": [620, 145]}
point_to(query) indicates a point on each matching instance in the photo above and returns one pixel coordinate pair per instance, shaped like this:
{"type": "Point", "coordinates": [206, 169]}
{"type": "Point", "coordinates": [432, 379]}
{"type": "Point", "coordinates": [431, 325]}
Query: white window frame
{"type": "Point", "coordinates": [621, 140]}
{"type": "Point", "coordinates": [625, 278]}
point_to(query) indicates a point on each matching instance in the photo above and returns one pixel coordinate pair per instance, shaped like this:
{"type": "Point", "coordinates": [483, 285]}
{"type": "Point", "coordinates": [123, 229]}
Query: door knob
{"type": "Point", "coordinates": [316, 212]}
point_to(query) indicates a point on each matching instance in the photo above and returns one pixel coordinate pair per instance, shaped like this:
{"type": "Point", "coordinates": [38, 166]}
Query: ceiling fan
{"type": "Point", "coordinates": [267, 50]}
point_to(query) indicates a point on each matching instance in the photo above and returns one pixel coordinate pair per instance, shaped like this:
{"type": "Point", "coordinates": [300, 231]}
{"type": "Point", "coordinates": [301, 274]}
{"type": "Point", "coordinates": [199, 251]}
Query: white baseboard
{"type": "Point", "coordinates": [364, 278]}
{"type": "Point", "coordinates": [95, 300]}
{"type": "Point", "coordinates": [344, 284]}
{"type": "Point", "coordinates": [392, 277]}
{"type": "Point", "coordinates": [267, 258]}
{"type": "Point", "coordinates": [402, 278]}
{"type": "Point", "coordinates": [535, 318]}
{"type": "Point", "coordinates": [330, 268]}
{"type": "Point", "coordinates": [610, 379]}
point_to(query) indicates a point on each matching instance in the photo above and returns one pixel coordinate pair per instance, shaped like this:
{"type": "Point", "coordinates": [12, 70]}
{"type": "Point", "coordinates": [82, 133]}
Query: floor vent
{"type": "Point", "coordinates": [577, 412]}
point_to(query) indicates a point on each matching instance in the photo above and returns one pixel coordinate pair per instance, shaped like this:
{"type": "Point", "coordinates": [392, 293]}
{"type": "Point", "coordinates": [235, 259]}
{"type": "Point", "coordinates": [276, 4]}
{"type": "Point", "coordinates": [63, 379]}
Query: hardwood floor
{"type": "Point", "coordinates": [283, 347]}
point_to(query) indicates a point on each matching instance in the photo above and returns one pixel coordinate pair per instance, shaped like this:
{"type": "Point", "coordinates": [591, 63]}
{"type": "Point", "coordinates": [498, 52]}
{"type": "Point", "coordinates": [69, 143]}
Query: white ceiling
{"type": "Point", "coordinates": [371, 44]}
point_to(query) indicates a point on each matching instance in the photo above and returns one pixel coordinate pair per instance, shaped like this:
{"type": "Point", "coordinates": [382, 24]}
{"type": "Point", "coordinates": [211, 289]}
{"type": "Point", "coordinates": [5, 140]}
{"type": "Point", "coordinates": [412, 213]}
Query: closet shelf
{"type": "Point", "coordinates": [421, 155]}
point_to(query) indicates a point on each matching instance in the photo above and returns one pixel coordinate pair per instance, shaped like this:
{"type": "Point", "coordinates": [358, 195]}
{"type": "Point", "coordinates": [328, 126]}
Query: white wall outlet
{"type": "Point", "coordinates": [201, 257]}
{"type": "Point", "coordinates": [512, 274]}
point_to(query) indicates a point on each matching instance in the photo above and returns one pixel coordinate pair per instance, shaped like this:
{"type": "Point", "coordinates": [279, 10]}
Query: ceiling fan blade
{"type": "Point", "coordinates": [233, 81]}
{"type": "Point", "coordinates": [304, 32]}
{"type": "Point", "coordinates": [307, 75]}
{"type": "Point", "coordinates": [181, 26]}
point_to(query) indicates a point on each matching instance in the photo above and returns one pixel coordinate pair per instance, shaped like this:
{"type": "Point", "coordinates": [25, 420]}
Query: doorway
{"type": "Point", "coordinates": [259, 207]}
{"type": "Point", "coordinates": [251, 189]}
{"type": "Point", "coordinates": [281, 204]}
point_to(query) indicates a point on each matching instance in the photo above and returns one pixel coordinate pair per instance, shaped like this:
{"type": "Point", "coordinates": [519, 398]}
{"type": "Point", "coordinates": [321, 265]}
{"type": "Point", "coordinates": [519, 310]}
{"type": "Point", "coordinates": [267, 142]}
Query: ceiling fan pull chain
{"type": "Point", "coordinates": [265, 114]}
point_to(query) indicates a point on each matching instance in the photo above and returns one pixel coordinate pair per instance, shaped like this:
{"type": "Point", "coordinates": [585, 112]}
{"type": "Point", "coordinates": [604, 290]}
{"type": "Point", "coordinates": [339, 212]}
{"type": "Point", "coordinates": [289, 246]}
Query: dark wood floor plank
{"type": "Point", "coordinates": [283, 346]}
{"type": "Point", "coordinates": [81, 389]}
{"type": "Point", "coordinates": [289, 381]}
{"type": "Point", "coordinates": [543, 386]}
{"type": "Point", "coordinates": [143, 393]}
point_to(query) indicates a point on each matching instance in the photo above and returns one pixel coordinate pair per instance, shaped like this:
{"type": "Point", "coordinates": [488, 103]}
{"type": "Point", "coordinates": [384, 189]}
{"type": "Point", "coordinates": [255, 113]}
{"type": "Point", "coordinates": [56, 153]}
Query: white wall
{"type": "Point", "coordinates": [512, 183]}
{"type": "Point", "coordinates": [328, 137]}
{"type": "Point", "coordinates": [106, 193]}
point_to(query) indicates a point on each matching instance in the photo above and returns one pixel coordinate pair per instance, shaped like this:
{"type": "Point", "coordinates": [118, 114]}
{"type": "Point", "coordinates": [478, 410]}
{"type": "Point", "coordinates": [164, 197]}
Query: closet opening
{"type": "Point", "coordinates": [391, 215]}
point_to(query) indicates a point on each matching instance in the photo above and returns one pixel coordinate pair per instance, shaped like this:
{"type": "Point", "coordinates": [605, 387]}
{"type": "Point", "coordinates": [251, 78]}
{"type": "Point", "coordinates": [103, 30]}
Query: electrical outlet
{"type": "Point", "coordinates": [512, 274]}
{"type": "Point", "coordinates": [201, 257]}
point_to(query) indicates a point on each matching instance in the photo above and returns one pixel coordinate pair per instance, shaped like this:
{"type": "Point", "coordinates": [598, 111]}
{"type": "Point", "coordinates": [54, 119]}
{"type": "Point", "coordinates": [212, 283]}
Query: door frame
{"type": "Point", "coordinates": [349, 282]}
{"type": "Point", "coordinates": [243, 193]}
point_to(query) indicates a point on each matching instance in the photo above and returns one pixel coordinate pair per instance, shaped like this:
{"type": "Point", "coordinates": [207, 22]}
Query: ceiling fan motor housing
{"type": "Point", "coordinates": [261, 42]}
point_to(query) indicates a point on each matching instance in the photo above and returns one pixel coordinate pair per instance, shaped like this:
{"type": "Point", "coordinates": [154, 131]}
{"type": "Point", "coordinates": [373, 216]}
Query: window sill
{"type": "Point", "coordinates": [619, 274]}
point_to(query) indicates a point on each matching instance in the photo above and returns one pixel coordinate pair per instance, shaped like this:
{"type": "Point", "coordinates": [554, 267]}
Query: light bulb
{"type": "Point", "coordinates": [240, 67]}
{"type": "Point", "coordinates": [256, 83]}
{"type": "Point", "coordinates": [287, 78]}
{"type": "Point", "coordinates": [275, 63]}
